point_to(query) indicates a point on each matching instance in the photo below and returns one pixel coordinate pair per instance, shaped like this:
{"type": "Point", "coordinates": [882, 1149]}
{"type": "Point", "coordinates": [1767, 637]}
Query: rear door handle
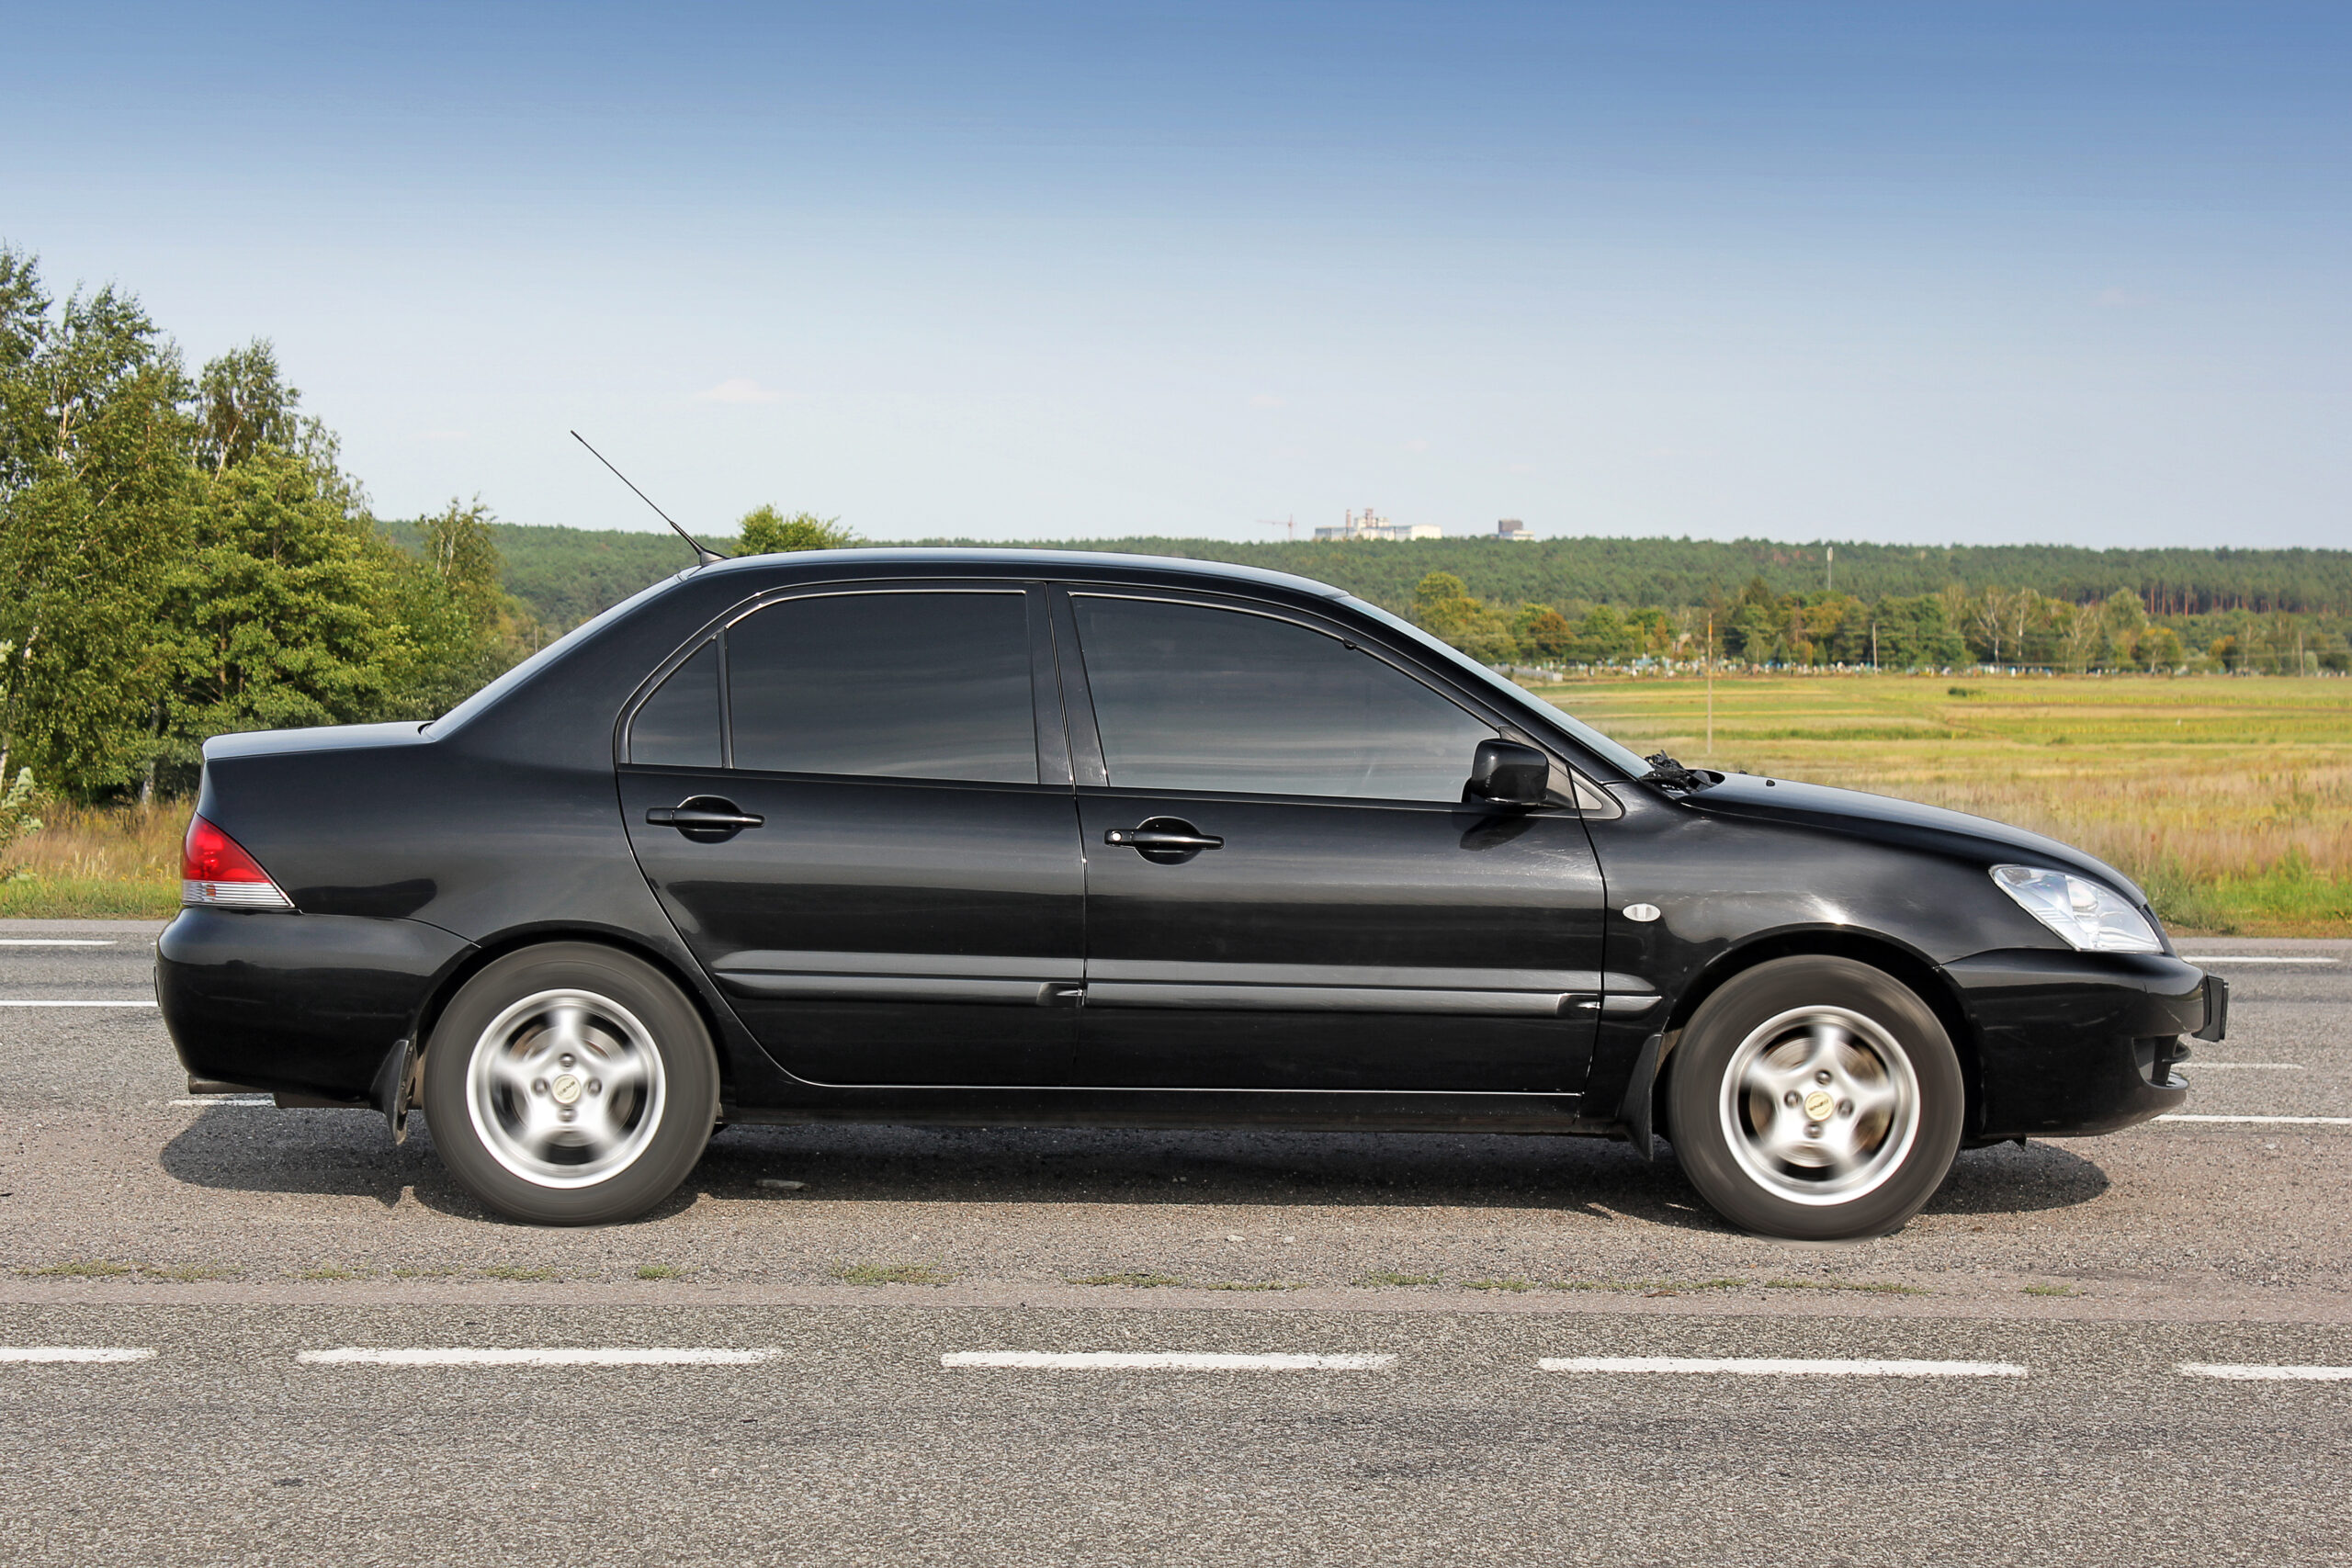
{"type": "Point", "coordinates": [705, 817]}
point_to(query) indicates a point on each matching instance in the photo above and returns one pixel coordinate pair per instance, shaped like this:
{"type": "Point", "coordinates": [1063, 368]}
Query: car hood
{"type": "Point", "coordinates": [1887, 819]}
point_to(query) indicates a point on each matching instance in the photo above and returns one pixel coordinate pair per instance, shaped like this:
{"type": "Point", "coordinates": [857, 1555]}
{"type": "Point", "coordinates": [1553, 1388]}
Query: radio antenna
{"type": "Point", "coordinates": [704, 554]}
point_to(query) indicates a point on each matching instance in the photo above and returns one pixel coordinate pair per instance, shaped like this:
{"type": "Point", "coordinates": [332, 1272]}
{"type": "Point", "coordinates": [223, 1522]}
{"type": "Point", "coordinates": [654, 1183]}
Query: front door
{"type": "Point", "coordinates": [1285, 889]}
{"type": "Point", "coordinates": [856, 806]}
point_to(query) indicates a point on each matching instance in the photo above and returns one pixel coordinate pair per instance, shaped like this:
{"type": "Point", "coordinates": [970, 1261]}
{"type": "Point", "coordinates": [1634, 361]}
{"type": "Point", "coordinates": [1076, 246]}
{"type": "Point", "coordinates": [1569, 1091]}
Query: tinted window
{"type": "Point", "coordinates": [678, 725]}
{"type": "Point", "coordinates": [1189, 698]}
{"type": "Point", "coordinates": [905, 686]}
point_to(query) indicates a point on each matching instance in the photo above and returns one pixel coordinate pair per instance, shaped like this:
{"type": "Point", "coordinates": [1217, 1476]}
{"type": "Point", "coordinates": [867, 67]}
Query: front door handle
{"type": "Point", "coordinates": [1165, 841]}
{"type": "Point", "coordinates": [705, 818]}
{"type": "Point", "coordinates": [1161, 839]}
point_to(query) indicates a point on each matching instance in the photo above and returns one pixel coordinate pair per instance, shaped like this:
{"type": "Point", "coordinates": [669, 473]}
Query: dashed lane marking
{"type": "Point", "coordinates": [2240, 1371]}
{"type": "Point", "coordinates": [1770, 1366]}
{"type": "Point", "coordinates": [1164, 1360]}
{"type": "Point", "coordinates": [91, 1353]}
{"type": "Point", "coordinates": [2249, 958]}
{"type": "Point", "coordinates": [528, 1356]}
{"type": "Point", "coordinates": [73, 1004]}
{"type": "Point", "coordinates": [2266, 1121]}
{"type": "Point", "coordinates": [2239, 1066]}
{"type": "Point", "coordinates": [270, 1100]}
{"type": "Point", "coordinates": [55, 942]}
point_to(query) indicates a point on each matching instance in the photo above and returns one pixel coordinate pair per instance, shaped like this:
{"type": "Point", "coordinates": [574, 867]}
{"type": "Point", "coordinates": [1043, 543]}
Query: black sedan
{"type": "Point", "coordinates": [1005, 836]}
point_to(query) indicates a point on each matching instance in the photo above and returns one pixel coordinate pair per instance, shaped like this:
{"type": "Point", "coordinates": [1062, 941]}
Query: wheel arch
{"type": "Point", "coordinates": [1917, 973]}
{"type": "Point", "coordinates": [481, 955]}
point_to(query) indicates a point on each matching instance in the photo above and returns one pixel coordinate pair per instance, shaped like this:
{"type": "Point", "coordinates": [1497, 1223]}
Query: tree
{"type": "Point", "coordinates": [275, 615]}
{"type": "Point", "coordinates": [95, 490]}
{"type": "Point", "coordinates": [766, 531]}
{"type": "Point", "coordinates": [242, 405]}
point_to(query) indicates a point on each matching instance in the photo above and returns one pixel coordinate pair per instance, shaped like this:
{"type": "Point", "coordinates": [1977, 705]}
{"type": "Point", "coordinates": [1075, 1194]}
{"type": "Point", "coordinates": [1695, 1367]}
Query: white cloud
{"type": "Point", "coordinates": [739, 389]}
{"type": "Point", "coordinates": [1416, 445]}
{"type": "Point", "coordinates": [1264, 400]}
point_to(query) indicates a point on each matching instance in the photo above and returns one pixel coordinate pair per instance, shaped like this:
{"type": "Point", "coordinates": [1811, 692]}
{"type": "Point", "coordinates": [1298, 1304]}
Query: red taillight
{"type": "Point", "coordinates": [215, 869]}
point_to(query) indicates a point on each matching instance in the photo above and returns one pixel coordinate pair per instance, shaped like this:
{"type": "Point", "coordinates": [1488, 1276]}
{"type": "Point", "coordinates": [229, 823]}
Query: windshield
{"type": "Point", "coordinates": [1600, 745]}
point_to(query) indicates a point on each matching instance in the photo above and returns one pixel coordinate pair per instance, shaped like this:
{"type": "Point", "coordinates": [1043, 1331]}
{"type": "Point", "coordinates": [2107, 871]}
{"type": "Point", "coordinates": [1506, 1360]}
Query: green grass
{"type": "Point", "coordinates": [1864, 1287]}
{"type": "Point", "coordinates": [1240, 1285]}
{"type": "Point", "coordinates": [659, 1271]}
{"type": "Point", "coordinates": [2229, 799]}
{"type": "Point", "coordinates": [1135, 1281]}
{"type": "Point", "coordinates": [1498, 1285]}
{"type": "Point", "coordinates": [81, 1268]}
{"type": "Point", "coordinates": [1380, 1280]}
{"type": "Point", "coordinates": [2052, 1291]}
{"type": "Point", "coordinates": [331, 1271]}
{"type": "Point", "coordinates": [509, 1271]}
{"type": "Point", "coordinates": [891, 1274]}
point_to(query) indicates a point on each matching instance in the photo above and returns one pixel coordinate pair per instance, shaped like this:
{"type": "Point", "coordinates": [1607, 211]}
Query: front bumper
{"type": "Point", "coordinates": [2071, 1044]}
{"type": "Point", "coordinates": [301, 1004]}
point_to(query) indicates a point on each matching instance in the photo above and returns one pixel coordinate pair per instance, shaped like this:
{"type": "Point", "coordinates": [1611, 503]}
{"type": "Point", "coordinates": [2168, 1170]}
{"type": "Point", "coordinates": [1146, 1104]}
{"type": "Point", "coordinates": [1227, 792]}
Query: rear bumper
{"type": "Point", "coordinates": [2071, 1044]}
{"type": "Point", "coordinates": [301, 1004]}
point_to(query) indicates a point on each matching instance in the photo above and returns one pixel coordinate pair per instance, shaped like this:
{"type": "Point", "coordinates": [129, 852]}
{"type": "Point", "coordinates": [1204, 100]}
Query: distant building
{"type": "Point", "coordinates": [1370, 524]}
{"type": "Point", "coordinates": [1512, 528]}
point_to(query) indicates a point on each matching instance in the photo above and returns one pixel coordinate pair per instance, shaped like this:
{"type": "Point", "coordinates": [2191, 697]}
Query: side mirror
{"type": "Point", "coordinates": [1508, 772]}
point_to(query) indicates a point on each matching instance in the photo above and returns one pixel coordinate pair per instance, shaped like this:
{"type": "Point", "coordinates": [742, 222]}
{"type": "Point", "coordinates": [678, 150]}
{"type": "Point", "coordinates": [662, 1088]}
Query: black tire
{"type": "Point", "coordinates": [533, 1038]}
{"type": "Point", "coordinates": [1816, 1098]}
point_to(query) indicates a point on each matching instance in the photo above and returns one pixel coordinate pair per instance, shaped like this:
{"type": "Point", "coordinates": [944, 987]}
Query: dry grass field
{"type": "Point", "coordinates": [2229, 797]}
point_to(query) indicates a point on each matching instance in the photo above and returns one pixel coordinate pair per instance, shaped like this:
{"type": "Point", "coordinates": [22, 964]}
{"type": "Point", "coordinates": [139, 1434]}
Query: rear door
{"type": "Point", "coordinates": [856, 804]}
{"type": "Point", "coordinates": [1341, 920]}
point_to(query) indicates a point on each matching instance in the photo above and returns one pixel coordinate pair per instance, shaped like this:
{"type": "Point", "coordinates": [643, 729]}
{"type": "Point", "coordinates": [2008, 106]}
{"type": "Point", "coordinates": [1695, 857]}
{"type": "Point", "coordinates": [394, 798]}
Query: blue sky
{"type": "Point", "coordinates": [1924, 272]}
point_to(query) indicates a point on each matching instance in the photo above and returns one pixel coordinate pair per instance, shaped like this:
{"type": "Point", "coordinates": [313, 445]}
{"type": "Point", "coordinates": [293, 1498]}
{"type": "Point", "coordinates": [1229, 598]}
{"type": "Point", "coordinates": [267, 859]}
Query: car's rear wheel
{"type": "Point", "coordinates": [570, 1084]}
{"type": "Point", "coordinates": [1815, 1097]}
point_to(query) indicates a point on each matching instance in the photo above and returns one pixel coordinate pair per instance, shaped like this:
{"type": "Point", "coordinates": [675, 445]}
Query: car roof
{"type": "Point", "coordinates": [1057, 563]}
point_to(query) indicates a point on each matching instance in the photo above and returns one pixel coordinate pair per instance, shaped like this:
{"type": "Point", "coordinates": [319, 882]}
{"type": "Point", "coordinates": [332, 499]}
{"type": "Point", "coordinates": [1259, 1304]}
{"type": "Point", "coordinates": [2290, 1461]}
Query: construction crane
{"type": "Point", "coordinates": [1289, 524]}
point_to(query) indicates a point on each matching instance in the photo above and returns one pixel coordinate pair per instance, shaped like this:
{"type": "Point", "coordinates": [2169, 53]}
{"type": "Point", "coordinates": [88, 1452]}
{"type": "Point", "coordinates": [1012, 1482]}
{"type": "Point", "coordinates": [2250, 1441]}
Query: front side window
{"type": "Point", "coordinates": [928, 685]}
{"type": "Point", "coordinates": [1188, 696]}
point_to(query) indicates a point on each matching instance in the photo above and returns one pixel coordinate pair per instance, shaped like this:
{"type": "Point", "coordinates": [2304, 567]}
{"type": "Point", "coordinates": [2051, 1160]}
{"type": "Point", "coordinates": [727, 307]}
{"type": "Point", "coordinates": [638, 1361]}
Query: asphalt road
{"type": "Point", "coordinates": [193, 1254]}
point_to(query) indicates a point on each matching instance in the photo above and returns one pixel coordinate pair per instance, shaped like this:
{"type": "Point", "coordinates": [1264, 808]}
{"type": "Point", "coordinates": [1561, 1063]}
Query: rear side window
{"type": "Point", "coordinates": [677, 726]}
{"type": "Point", "coordinates": [926, 685]}
{"type": "Point", "coordinates": [1188, 696]}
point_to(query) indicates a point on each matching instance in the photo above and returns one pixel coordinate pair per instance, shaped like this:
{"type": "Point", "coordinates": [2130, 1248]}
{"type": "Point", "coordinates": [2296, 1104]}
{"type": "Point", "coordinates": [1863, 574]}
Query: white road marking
{"type": "Point", "coordinates": [1762, 1366]}
{"type": "Point", "coordinates": [56, 942]}
{"type": "Point", "coordinates": [270, 1100]}
{"type": "Point", "coordinates": [67, 1004]}
{"type": "Point", "coordinates": [2249, 958]}
{"type": "Point", "coordinates": [2241, 1066]}
{"type": "Point", "coordinates": [2236, 1372]}
{"type": "Point", "coordinates": [1165, 1360]}
{"type": "Point", "coordinates": [2268, 1120]}
{"type": "Point", "coordinates": [103, 1353]}
{"type": "Point", "coordinates": [531, 1356]}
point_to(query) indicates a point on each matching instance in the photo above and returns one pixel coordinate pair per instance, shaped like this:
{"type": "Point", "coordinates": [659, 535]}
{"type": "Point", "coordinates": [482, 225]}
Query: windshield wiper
{"type": "Point", "coordinates": [1668, 773]}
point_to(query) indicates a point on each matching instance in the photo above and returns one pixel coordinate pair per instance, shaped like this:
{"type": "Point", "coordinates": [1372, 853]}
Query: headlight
{"type": "Point", "coordinates": [2090, 915]}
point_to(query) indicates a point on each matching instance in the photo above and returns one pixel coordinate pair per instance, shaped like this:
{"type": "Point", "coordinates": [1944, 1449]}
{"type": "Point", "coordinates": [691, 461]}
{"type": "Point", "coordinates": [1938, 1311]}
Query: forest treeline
{"type": "Point", "coordinates": [565, 575]}
{"type": "Point", "coordinates": [1996, 627]}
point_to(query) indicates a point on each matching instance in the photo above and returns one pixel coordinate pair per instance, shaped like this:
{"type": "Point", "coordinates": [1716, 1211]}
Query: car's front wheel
{"type": "Point", "coordinates": [570, 1084]}
{"type": "Point", "coordinates": [1815, 1097]}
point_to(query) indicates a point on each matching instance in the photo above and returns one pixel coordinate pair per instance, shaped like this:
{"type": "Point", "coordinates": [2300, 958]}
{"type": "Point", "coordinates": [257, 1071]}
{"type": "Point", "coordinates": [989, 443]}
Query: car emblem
{"type": "Point", "coordinates": [566, 1089]}
{"type": "Point", "coordinates": [1819, 1105]}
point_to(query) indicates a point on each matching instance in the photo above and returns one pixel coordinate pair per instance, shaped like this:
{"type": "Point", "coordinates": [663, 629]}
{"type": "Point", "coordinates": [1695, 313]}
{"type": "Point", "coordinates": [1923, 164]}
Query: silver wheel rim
{"type": "Point", "coordinates": [1820, 1105]}
{"type": "Point", "coordinates": [565, 1088]}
